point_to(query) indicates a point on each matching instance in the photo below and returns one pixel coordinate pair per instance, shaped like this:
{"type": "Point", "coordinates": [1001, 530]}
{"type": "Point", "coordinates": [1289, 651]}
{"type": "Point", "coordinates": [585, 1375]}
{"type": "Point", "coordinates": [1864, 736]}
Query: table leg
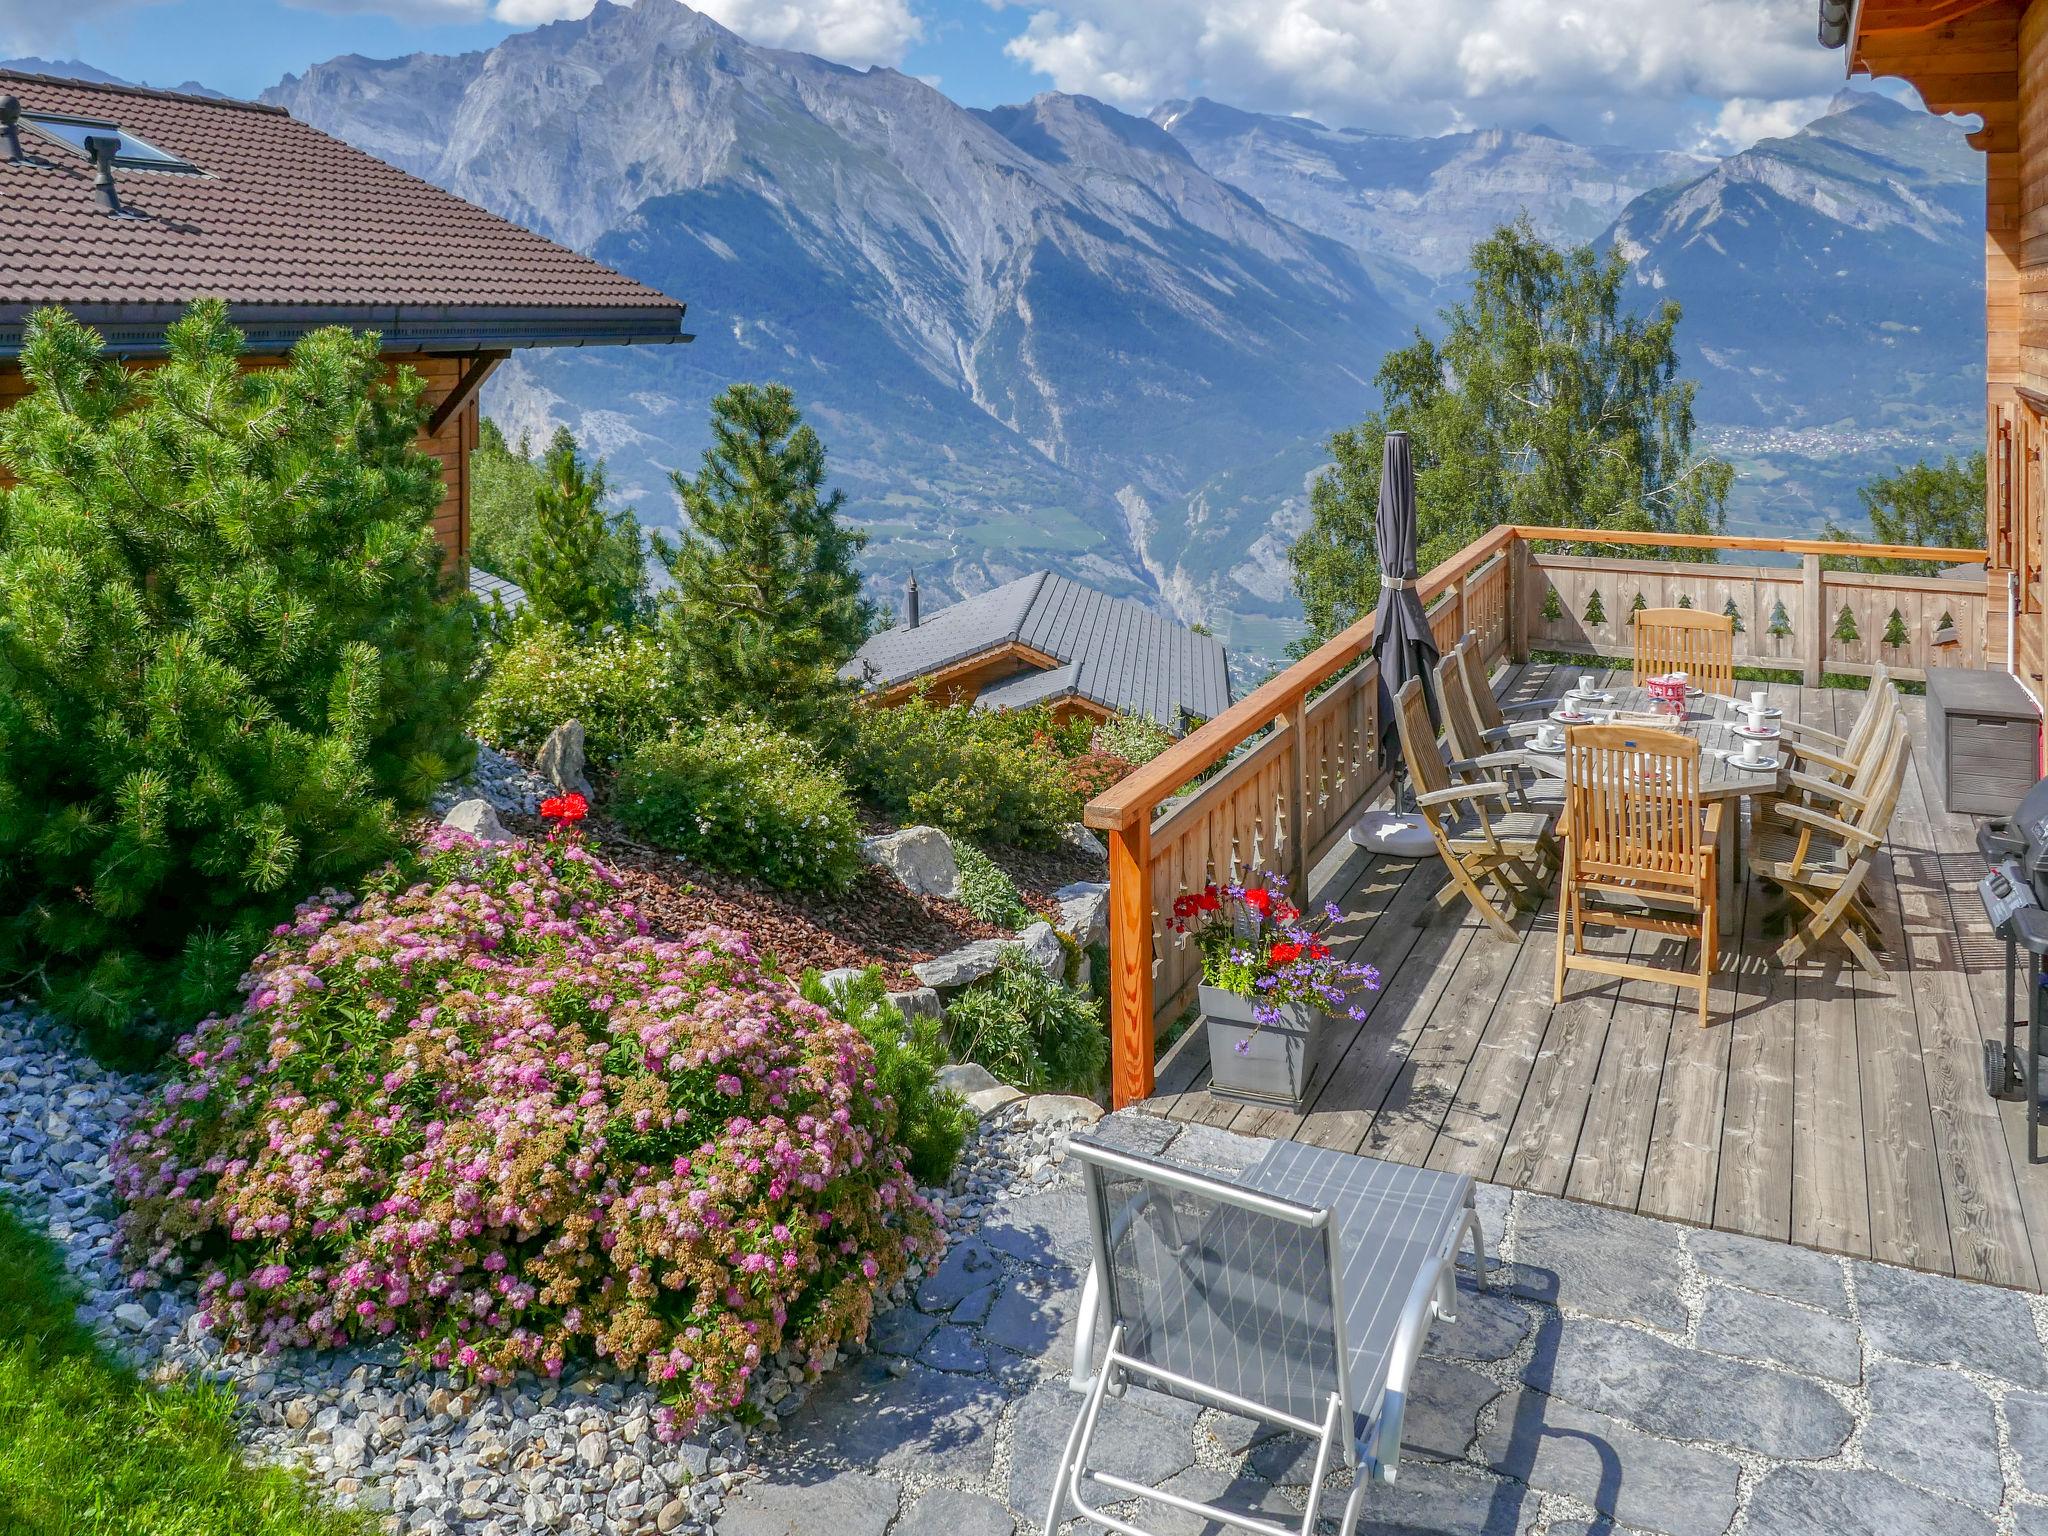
{"type": "Point", "coordinates": [1731, 861]}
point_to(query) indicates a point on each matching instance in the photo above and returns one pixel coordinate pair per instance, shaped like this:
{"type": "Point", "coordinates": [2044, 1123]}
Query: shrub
{"type": "Point", "coordinates": [1134, 738]}
{"type": "Point", "coordinates": [986, 891]}
{"type": "Point", "coordinates": [1030, 1031]}
{"type": "Point", "coordinates": [1091, 773]}
{"type": "Point", "coordinates": [617, 684]}
{"type": "Point", "coordinates": [741, 795]}
{"type": "Point", "coordinates": [977, 773]}
{"type": "Point", "coordinates": [932, 1123]}
{"type": "Point", "coordinates": [230, 665]}
{"type": "Point", "coordinates": [485, 1114]}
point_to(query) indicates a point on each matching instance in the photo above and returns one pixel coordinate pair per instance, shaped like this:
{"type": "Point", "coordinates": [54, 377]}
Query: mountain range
{"type": "Point", "coordinates": [1060, 334]}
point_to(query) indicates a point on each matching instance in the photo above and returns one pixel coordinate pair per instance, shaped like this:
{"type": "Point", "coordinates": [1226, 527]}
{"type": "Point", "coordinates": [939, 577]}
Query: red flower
{"type": "Point", "coordinates": [1186, 906]}
{"type": "Point", "coordinates": [1318, 950]}
{"type": "Point", "coordinates": [1283, 953]}
{"type": "Point", "coordinates": [1209, 900]}
{"type": "Point", "coordinates": [1260, 901]}
{"type": "Point", "coordinates": [567, 809]}
{"type": "Point", "coordinates": [1286, 912]}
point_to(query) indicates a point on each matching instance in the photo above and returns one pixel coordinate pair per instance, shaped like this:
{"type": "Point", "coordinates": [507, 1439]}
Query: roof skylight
{"type": "Point", "coordinates": [135, 153]}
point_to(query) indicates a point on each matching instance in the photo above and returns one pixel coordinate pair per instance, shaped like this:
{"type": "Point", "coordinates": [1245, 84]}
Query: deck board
{"type": "Point", "coordinates": [1820, 1106]}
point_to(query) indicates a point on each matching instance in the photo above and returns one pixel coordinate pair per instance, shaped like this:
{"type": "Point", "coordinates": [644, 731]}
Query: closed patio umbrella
{"type": "Point", "coordinates": [1401, 641]}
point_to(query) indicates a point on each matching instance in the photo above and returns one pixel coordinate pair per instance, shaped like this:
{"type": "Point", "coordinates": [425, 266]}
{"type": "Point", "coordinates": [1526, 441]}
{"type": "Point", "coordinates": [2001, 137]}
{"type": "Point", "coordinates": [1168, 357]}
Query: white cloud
{"type": "Point", "coordinates": [1743, 120]}
{"type": "Point", "coordinates": [1641, 65]}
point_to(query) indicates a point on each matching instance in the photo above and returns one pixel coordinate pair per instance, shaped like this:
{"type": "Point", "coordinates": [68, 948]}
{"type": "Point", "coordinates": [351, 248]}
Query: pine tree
{"type": "Point", "coordinates": [767, 605]}
{"type": "Point", "coordinates": [228, 660]}
{"type": "Point", "coordinates": [582, 566]}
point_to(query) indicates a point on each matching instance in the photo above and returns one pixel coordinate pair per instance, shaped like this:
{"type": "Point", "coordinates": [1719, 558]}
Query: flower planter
{"type": "Point", "coordinates": [1279, 1062]}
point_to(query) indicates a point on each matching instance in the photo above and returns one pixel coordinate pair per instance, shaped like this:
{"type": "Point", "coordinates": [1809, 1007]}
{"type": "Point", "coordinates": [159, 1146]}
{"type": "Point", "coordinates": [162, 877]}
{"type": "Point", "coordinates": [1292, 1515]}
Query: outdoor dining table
{"type": "Point", "coordinates": [1711, 719]}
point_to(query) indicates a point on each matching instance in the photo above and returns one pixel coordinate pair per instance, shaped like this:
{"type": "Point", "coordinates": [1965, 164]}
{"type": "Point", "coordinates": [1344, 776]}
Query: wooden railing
{"type": "Point", "coordinates": [1291, 765]}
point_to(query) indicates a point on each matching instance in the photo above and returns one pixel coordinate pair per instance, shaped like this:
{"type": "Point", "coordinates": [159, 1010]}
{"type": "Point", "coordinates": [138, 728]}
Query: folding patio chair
{"type": "Point", "coordinates": [1493, 721]}
{"type": "Point", "coordinates": [1480, 837]}
{"type": "Point", "coordinates": [1701, 645]}
{"type": "Point", "coordinates": [1297, 1292]}
{"type": "Point", "coordinates": [1471, 757]}
{"type": "Point", "coordinates": [1838, 758]}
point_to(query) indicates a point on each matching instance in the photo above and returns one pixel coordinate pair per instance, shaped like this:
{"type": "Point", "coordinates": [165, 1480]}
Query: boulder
{"type": "Point", "coordinates": [920, 857]}
{"type": "Point", "coordinates": [1042, 947]}
{"type": "Point", "coordinates": [479, 818]}
{"type": "Point", "coordinates": [963, 966]}
{"type": "Point", "coordinates": [837, 980]}
{"type": "Point", "coordinates": [989, 1100]}
{"type": "Point", "coordinates": [965, 1077]}
{"type": "Point", "coordinates": [560, 760]}
{"type": "Point", "coordinates": [1078, 836]}
{"type": "Point", "coordinates": [1061, 1109]}
{"type": "Point", "coordinates": [918, 1003]}
{"type": "Point", "coordinates": [1084, 911]}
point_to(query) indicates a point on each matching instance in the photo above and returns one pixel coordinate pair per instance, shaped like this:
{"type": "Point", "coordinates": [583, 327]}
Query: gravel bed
{"type": "Point", "coordinates": [427, 1452]}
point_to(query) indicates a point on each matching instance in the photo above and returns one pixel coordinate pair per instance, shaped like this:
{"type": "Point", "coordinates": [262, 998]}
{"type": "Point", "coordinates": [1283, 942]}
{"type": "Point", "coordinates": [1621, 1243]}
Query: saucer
{"type": "Point", "coordinates": [1552, 750]}
{"type": "Point", "coordinates": [1770, 712]}
{"type": "Point", "coordinates": [1761, 765]}
{"type": "Point", "coordinates": [1756, 732]}
{"type": "Point", "coordinates": [1597, 696]}
{"type": "Point", "coordinates": [1571, 717]}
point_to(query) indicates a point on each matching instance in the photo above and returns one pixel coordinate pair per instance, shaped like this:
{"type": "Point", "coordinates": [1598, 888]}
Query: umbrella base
{"type": "Point", "coordinates": [1395, 835]}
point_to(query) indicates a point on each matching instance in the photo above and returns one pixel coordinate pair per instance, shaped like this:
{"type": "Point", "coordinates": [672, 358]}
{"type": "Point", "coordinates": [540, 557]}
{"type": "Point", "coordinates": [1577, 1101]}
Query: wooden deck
{"type": "Point", "coordinates": [1821, 1107]}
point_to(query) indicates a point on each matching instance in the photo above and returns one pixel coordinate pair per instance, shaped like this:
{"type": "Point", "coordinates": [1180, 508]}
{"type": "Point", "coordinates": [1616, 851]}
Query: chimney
{"type": "Point", "coordinates": [910, 603]}
{"type": "Point", "coordinates": [102, 148]}
{"type": "Point", "coordinates": [10, 137]}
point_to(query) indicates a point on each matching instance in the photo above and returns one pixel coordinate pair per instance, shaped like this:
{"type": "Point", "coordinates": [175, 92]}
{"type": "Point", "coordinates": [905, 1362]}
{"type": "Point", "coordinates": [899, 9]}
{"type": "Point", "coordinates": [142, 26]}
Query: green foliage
{"type": "Point", "coordinates": [767, 605]}
{"type": "Point", "coordinates": [582, 566]}
{"type": "Point", "coordinates": [229, 665]}
{"type": "Point", "coordinates": [1780, 627]}
{"type": "Point", "coordinates": [1545, 403]}
{"type": "Point", "coordinates": [986, 891]}
{"type": "Point", "coordinates": [1924, 503]}
{"type": "Point", "coordinates": [1733, 614]}
{"type": "Point", "coordinates": [1895, 629]}
{"type": "Point", "coordinates": [1596, 610]}
{"type": "Point", "coordinates": [89, 1450]}
{"type": "Point", "coordinates": [743, 795]}
{"type": "Point", "coordinates": [1553, 605]}
{"type": "Point", "coordinates": [1031, 1032]}
{"type": "Point", "coordinates": [982, 774]}
{"type": "Point", "coordinates": [1845, 626]}
{"type": "Point", "coordinates": [1134, 738]}
{"type": "Point", "coordinates": [618, 685]}
{"type": "Point", "coordinates": [932, 1123]}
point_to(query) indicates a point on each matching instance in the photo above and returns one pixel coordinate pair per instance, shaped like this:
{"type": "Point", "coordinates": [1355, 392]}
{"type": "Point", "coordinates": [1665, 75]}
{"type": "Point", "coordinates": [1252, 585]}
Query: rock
{"type": "Point", "coordinates": [1488, 1327]}
{"type": "Point", "coordinates": [966, 1077]}
{"type": "Point", "coordinates": [671, 1515]}
{"type": "Point", "coordinates": [1759, 1327]}
{"type": "Point", "coordinates": [349, 1449]}
{"type": "Point", "coordinates": [805, 1503]}
{"type": "Point", "coordinates": [560, 759]}
{"type": "Point", "coordinates": [1084, 911]}
{"type": "Point", "coordinates": [967, 1267]}
{"type": "Point", "coordinates": [132, 1314]}
{"type": "Point", "coordinates": [921, 858]}
{"type": "Point", "coordinates": [839, 978]}
{"type": "Point", "coordinates": [1042, 947]}
{"type": "Point", "coordinates": [1670, 1390]}
{"type": "Point", "coordinates": [1078, 836]}
{"type": "Point", "coordinates": [592, 1449]}
{"type": "Point", "coordinates": [479, 818]}
{"type": "Point", "coordinates": [1939, 1320]}
{"type": "Point", "coordinates": [1142, 1436]}
{"type": "Point", "coordinates": [954, 1349]}
{"type": "Point", "coordinates": [989, 1100]}
{"type": "Point", "coordinates": [1778, 1269]}
{"type": "Point", "coordinates": [918, 1003]}
{"type": "Point", "coordinates": [950, 1512]}
{"type": "Point", "coordinates": [1061, 1109]}
{"type": "Point", "coordinates": [1934, 1428]}
{"type": "Point", "coordinates": [1810, 1501]}
{"type": "Point", "coordinates": [963, 966]}
{"type": "Point", "coordinates": [901, 1331]}
{"type": "Point", "coordinates": [1608, 1263]}
{"type": "Point", "coordinates": [912, 1419]}
{"type": "Point", "coordinates": [1644, 1482]}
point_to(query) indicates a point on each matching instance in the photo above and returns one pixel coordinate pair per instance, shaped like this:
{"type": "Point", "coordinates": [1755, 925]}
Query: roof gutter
{"type": "Point", "coordinates": [1838, 21]}
{"type": "Point", "coordinates": [137, 330]}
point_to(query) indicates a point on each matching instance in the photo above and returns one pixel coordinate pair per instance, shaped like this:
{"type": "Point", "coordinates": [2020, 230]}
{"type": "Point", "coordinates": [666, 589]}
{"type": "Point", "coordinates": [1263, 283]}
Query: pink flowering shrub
{"type": "Point", "coordinates": [486, 1114]}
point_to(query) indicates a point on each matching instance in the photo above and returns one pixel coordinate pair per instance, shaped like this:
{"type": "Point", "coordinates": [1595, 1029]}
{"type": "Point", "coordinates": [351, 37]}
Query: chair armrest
{"type": "Point", "coordinates": [1840, 793]}
{"type": "Point", "coordinates": [1822, 822]}
{"type": "Point", "coordinates": [1521, 704]}
{"type": "Point", "coordinates": [1713, 822]}
{"type": "Point", "coordinates": [1827, 760]}
{"type": "Point", "coordinates": [1478, 789]}
{"type": "Point", "coordinates": [1791, 727]}
{"type": "Point", "coordinates": [1488, 762]}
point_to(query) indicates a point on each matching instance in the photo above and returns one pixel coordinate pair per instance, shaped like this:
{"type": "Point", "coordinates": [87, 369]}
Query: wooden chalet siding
{"type": "Point", "coordinates": [450, 447]}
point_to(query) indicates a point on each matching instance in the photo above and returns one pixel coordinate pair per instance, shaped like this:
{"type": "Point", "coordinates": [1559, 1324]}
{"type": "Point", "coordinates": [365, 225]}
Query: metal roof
{"type": "Point", "coordinates": [485, 587]}
{"type": "Point", "coordinates": [1111, 651]}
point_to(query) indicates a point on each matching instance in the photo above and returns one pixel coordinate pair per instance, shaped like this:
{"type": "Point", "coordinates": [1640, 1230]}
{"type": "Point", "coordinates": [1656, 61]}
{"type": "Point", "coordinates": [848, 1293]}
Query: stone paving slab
{"type": "Point", "coordinates": [1618, 1380]}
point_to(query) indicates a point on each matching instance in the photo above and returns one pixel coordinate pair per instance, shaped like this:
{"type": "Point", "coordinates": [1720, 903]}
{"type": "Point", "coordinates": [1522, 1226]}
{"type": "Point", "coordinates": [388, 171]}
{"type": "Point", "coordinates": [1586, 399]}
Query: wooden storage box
{"type": "Point", "coordinates": [1984, 734]}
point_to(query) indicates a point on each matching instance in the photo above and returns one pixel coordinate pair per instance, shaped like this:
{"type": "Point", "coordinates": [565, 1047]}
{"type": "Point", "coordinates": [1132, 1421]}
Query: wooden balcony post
{"type": "Point", "coordinates": [1131, 1041]}
{"type": "Point", "coordinates": [1813, 639]}
{"type": "Point", "coordinates": [1295, 723]}
{"type": "Point", "coordinates": [1519, 595]}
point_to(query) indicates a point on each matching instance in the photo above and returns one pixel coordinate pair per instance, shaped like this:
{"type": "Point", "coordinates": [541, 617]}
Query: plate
{"type": "Point", "coordinates": [1761, 765]}
{"type": "Point", "coordinates": [1571, 717]}
{"type": "Point", "coordinates": [1756, 732]}
{"type": "Point", "coordinates": [1533, 745]}
{"type": "Point", "coordinates": [1597, 696]}
{"type": "Point", "coordinates": [1770, 712]}
{"type": "Point", "coordinates": [1695, 693]}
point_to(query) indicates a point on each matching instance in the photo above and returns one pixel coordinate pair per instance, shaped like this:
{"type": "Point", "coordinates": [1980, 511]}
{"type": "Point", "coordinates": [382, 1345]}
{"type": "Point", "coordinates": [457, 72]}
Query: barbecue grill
{"type": "Point", "coordinates": [2015, 896]}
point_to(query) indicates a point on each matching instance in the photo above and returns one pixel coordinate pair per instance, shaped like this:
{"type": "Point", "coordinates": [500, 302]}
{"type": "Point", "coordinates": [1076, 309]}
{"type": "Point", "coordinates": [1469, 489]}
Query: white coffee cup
{"type": "Point", "coordinates": [1588, 683]}
{"type": "Point", "coordinates": [1549, 734]}
{"type": "Point", "coordinates": [1760, 701]}
{"type": "Point", "coordinates": [1752, 749]}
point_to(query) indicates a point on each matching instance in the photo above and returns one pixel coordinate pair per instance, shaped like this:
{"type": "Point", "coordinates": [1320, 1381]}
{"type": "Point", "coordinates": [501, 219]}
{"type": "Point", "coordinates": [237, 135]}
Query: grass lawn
{"type": "Point", "coordinates": [86, 1448]}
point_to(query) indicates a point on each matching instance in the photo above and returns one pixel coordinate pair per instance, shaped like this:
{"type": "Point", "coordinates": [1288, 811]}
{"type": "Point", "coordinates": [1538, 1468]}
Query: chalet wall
{"type": "Point", "coordinates": [450, 447]}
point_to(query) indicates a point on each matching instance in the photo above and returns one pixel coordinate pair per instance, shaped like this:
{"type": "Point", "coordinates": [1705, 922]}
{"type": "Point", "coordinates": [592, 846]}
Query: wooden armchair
{"type": "Point", "coordinates": [1639, 852]}
{"type": "Point", "coordinates": [1701, 645]}
{"type": "Point", "coordinates": [1481, 839]}
{"type": "Point", "coordinates": [1494, 728]}
{"type": "Point", "coordinates": [1472, 755]}
{"type": "Point", "coordinates": [1821, 848]}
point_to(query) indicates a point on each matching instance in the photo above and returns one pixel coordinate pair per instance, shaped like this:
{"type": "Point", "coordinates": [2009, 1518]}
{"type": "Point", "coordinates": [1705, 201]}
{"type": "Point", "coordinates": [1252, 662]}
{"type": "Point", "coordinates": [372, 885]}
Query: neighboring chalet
{"type": "Point", "coordinates": [1989, 59]}
{"type": "Point", "coordinates": [124, 205]}
{"type": "Point", "coordinates": [1043, 639]}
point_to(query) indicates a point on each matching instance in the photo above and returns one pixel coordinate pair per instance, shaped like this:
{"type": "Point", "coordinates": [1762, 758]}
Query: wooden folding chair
{"type": "Point", "coordinates": [1701, 645]}
{"type": "Point", "coordinates": [1486, 706]}
{"type": "Point", "coordinates": [1823, 858]}
{"type": "Point", "coordinates": [1825, 772]}
{"type": "Point", "coordinates": [1471, 757]}
{"type": "Point", "coordinates": [1837, 758]}
{"type": "Point", "coordinates": [1512, 851]}
{"type": "Point", "coordinates": [1639, 846]}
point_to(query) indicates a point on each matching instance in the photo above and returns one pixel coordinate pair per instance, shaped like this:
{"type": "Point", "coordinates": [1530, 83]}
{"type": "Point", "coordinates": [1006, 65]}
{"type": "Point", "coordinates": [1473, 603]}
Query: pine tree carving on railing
{"type": "Point", "coordinates": [1846, 631]}
{"type": "Point", "coordinates": [1638, 605]}
{"type": "Point", "coordinates": [1733, 614]}
{"type": "Point", "coordinates": [1683, 601]}
{"type": "Point", "coordinates": [1553, 605]}
{"type": "Point", "coordinates": [1596, 611]}
{"type": "Point", "coordinates": [1780, 627]}
{"type": "Point", "coordinates": [1895, 630]}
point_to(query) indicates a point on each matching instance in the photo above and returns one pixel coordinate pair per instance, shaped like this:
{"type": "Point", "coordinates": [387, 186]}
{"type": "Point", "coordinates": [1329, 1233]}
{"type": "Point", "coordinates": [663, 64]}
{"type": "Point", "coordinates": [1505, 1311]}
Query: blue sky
{"type": "Point", "coordinates": [1707, 75]}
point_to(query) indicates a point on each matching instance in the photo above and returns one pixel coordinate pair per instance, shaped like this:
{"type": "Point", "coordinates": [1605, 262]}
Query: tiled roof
{"type": "Point", "coordinates": [1111, 651]}
{"type": "Point", "coordinates": [294, 228]}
